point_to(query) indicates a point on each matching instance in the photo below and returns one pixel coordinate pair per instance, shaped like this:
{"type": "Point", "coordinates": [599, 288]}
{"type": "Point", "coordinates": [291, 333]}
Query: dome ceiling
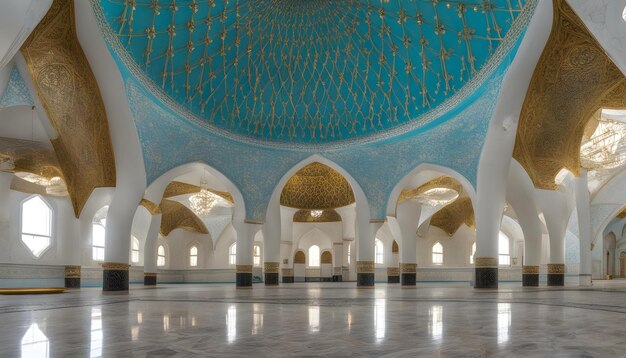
{"type": "Point", "coordinates": [310, 71]}
{"type": "Point", "coordinates": [317, 187]}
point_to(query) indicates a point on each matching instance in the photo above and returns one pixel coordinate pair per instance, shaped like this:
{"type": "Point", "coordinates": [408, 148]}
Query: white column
{"type": "Point", "coordinates": [245, 240]}
{"type": "Point", "coordinates": [338, 261]}
{"type": "Point", "coordinates": [555, 212]}
{"type": "Point", "coordinates": [271, 245]}
{"type": "Point", "coordinates": [408, 215]}
{"type": "Point", "coordinates": [581, 190]}
{"type": "Point", "coordinates": [150, 245]}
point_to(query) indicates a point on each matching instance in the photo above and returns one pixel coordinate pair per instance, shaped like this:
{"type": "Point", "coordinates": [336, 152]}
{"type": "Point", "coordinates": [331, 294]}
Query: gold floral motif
{"type": "Point", "coordinates": [72, 271]}
{"type": "Point", "coordinates": [287, 272]}
{"type": "Point", "coordinates": [243, 268]}
{"type": "Point", "coordinates": [486, 262]}
{"type": "Point", "coordinates": [271, 267]}
{"type": "Point", "coordinates": [176, 188]}
{"type": "Point", "coordinates": [393, 271]}
{"type": "Point", "coordinates": [317, 186]}
{"type": "Point", "coordinates": [119, 266]}
{"type": "Point", "coordinates": [365, 267]}
{"type": "Point", "coordinates": [556, 269]}
{"type": "Point", "coordinates": [70, 96]}
{"type": "Point", "coordinates": [305, 216]}
{"type": "Point", "coordinates": [150, 206]}
{"type": "Point", "coordinates": [530, 270]}
{"type": "Point", "coordinates": [178, 216]}
{"type": "Point", "coordinates": [408, 268]}
{"type": "Point", "coordinates": [573, 79]}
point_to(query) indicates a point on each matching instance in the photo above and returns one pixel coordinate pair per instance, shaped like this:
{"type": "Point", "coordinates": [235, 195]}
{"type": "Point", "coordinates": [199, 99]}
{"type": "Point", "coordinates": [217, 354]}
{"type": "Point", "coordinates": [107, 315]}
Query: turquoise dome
{"type": "Point", "coordinates": [312, 71]}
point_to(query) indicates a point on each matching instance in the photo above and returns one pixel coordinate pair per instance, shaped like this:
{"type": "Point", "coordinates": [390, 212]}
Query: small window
{"type": "Point", "coordinates": [314, 256]}
{"type": "Point", "coordinates": [257, 255]}
{"type": "Point", "coordinates": [349, 259]}
{"type": "Point", "coordinates": [504, 257]}
{"type": "Point", "coordinates": [160, 256]}
{"type": "Point", "coordinates": [232, 254]}
{"type": "Point", "coordinates": [36, 225]}
{"type": "Point", "coordinates": [378, 251]}
{"type": "Point", "coordinates": [193, 256]}
{"type": "Point", "coordinates": [473, 253]}
{"type": "Point", "coordinates": [98, 231]}
{"type": "Point", "coordinates": [437, 254]}
{"type": "Point", "coordinates": [134, 251]}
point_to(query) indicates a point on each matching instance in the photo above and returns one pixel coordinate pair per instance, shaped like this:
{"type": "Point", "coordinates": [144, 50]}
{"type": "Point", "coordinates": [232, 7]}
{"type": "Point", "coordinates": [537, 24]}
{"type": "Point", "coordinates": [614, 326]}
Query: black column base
{"type": "Point", "coordinates": [115, 280]}
{"type": "Point", "coordinates": [244, 279]}
{"type": "Point", "coordinates": [271, 279]}
{"type": "Point", "coordinates": [486, 277]}
{"type": "Point", "coordinates": [149, 280]}
{"type": "Point", "coordinates": [530, 279]}
{"type": "Point", "coordinates": [287, 279]}
{"type": "Point", "coordinates": [365, 279]}
{"type": "Point", "coordinates": [393, 279]}
{"type": "Point", "coordinates": [337, 278]}
{"type": "Point", "coordinates": [408, 279]}
{"type": "Point", "coordinates": [72, 282]}
{"type": "Point", "coordinates": [556, 279]}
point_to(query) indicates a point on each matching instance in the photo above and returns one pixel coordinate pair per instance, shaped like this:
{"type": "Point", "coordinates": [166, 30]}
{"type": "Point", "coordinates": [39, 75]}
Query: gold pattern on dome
{"type": "Point", "coordinates": [573, 79]}
{"type": "Point", "coordinates": [299, 257]}
{"type": "Point", "coordinates": [530, 270]}
{"type": "Point", "coordinates": [30, 156]}
{"type": "Point", "coordinates": [327, 257]}
{"type": "Point", "coordinates": [486, 261]}
{"type": "Point", "coordinates": [70, 96]}
{"type": "Point", "coordinates": [452, 216]}
{"type": "Point", "coordinates": [305, 216]}
{"type": "Point", "coordinates": [439, 182]}
{"type": "Point", "coordinates": [178, 216]}
{"type": "Point", "coordinates": [176, 188]}
{"type": "Point", "coordinates": [317, 186]}
{"type": "Point", "coordinates": [152, 208]}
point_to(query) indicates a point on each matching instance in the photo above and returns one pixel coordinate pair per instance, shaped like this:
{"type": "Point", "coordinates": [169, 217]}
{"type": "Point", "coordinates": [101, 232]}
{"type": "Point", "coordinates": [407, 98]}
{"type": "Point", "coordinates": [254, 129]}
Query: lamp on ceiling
{"type": "Point", "coordinates": [54, 186]}
{"type": "Point", "coordinates": [204, 201]}
{"type": "Point", "coordinates": [316, 213]}
{"type": "Point", "coordinates": [437, 196]}
{"type": "Point", "coordinates": [606, 148]}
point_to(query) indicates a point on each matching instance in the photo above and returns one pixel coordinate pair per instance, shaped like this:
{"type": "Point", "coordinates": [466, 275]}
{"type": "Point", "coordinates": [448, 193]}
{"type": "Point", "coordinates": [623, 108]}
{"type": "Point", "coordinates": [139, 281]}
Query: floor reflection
{"type": "Point", "coordinates": [504, 322]}
{"type": "Point", "coordinates": [379, 319]}
{"type": "Point", "coordinates": [435, 324]}
{"type": "Point", "coordinates": [35, 344]}
{"type": "Point", "coordinates": [257, 318]}
{"type": "Point", "coordinates": [96, 333]}
{"type": "Point", "coordinates": [314, 319]}
{"type": "Point", "coordinates": [231, 324]}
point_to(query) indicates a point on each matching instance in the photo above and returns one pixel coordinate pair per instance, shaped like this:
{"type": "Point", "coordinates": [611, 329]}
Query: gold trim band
{"type": "Point", "coordinates": [486, 262]}
{"type": "Point", "coordinates": [271, 267]}
{"type": "Point", "coordinates": [408, 268]}
{"type": "Point", "coordinates": [243, 268]}
{"type": "Point", "coordinates": [530, 270]}
{"type": "Point", "coordinates": [149, 274]}
{"type": "Point", "coordinates": [287, 272]}
{"type": "Point", "coordinates": [365, 267]}
{"type": "Point", "coordinates": [393, 271]}
{"type": "Point", "coordinates": [556, 269]}
{"type": "Point", "coordinates": [120, 266]}
{"type": "Point", "coordinates": [72, 271]}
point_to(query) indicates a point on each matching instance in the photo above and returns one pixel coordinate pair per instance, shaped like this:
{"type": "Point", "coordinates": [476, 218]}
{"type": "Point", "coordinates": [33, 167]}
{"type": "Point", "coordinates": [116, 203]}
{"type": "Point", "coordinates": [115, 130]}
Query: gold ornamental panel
{"type": "Point", "coordinates": [150, 274]}
{"type": "Point", "coordinates": [119, 266]}
{"type": "Point", "coordinates": [556, 268]}
{"type": "Point", "coordinates": [365, 267]}
{"type": "Point", "coordinates": [70, 96]}
{"type": "Point", "coordinates": [573, 79]}
{"type": "Point", "coordinates": [30, 156]}
{"type": "Point", "coordinates": [178, 216]}
{"type": "Point", "coordinates": [530, 270]}
{"type": "Point", "coordinates": [176, 188]}
{"type": "Point", "coordinates": [317, 186]}
{"type": "Point", "coordinates": [394, 247]}
{"type": "Point", "coordinates": [72, 271]}
{"type": "Point", "coordinates": [243, 268]}
{"type": "Point", "coordinates": [287, 272]}
{"type": "Point", "coordinates": [299, 258]}
{"type": "Point", "coordinates": [305, 216]}
{"type": "Point", "coordinates": [152, 208]}
{"type": "Point", "coordinates": [327, 257]}
{"type": "Point", "coordinates": [408, 268]}
{"type": "Point", "coordinates": [486, 262]}
{"type": "Point", "coordinates": [453, 215]}
{"type": "Point", "coordinates": [393, 271]}
{"type": "Point", "coordinates": [271, 267]}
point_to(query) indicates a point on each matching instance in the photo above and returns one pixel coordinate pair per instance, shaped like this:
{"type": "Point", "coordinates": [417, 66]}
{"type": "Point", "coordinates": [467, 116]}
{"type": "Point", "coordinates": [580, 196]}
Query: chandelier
{"type": "Point", "coordinates": [437, 196]}
{"type": "Point", "coordinates": [54, 186]}
{"type": "Point", "coordinates": [204, 201]}
{"type": "Point", "coordinates": [606, 148]}
{"type": "Point", "coordinates": [316, 213]}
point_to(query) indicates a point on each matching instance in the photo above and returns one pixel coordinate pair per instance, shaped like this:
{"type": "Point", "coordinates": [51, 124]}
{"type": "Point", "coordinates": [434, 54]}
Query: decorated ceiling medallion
{"type": "Point", "coordinates": [204, 201]}
{"type": "Point", "coordinates": [606, 147]}
{"type": "Point", "coordinates": [316, 213]}
{"type": "Point", "coordinates": [437, 196]}
{"type": "Point", "coordinates": [314, 71]}
{"type": "Point", "coordinates": [317, 187]}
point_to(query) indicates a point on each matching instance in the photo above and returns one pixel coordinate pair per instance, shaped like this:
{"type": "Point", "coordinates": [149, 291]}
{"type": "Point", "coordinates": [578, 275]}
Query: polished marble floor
{"type": "Point", "coordinates": [317, 319]}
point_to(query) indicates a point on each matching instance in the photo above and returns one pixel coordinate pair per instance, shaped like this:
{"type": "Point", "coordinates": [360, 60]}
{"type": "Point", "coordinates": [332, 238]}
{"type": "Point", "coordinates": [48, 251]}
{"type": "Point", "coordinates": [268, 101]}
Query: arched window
{"type": "Point", "coordinates": [257, 255]}
{"type": "Point", "coordinates": [232, 254]}
{"type": "Point", "coordinates": [438, 254]}
{"type": "Point", "coordinates": [134, 250]}
{"type": "Point", "coordinates": [314, 256]}
{"type": "Point", "coordinates": [503, 250]}
{"type": "Point", "coordinates": [378, 251]}
{"type": "Point", "coordinates": [36, 225]}
{"type": "Point", "coordinates": [98, 228]}
{"type": "Point", "coordinates": [473, 253]}
{"type": "Point", "coordinates": [193, 256]}
{"type": "Point", "coordinates": [160, 256]}
{"type": "Point", "coordinates": [349, 259]}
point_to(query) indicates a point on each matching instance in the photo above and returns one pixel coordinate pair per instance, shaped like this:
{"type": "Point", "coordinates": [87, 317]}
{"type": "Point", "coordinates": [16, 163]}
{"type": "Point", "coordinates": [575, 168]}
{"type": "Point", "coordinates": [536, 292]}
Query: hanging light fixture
{"type": "Point", "coordinates": [54, 186]}
{"type": "Point", "coordinates": [606, 148]}
{"type": "Point", "coordinates": [437, 196]}
{"type": "Point", "coordinates": [204, 201]}
{"type": "Point", "coordinates": [316, 213]}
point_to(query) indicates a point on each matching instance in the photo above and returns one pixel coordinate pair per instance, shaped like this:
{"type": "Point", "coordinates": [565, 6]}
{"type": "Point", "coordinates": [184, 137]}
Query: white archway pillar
{"type": "Point", "coordinates": [408, 215]}
{"type": "Point", "coordinates": [271, 245]}
{"type": "Point", "coordinates": [5, 203]}
{"type": "Point", "coordinates": [555, 212]}
{"type": "Point", "coordinates": [338, 261]}
{"type": "Point", "coordinates": [286, 243]}
{"type": "Point", "coordinates": [245, 240]}
{"type": "Point", "coordinates": [581, 190]}
{"type": "Point", "coordinates": [150, 251]}
{"type": "Point", "coordinates": [365, 233]}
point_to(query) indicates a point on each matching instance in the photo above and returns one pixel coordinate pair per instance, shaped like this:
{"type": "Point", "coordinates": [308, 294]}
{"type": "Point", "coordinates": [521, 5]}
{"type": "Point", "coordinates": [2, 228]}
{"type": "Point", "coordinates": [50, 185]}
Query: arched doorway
{"type": "Point", "coordinates": [622, 264]}
{"type": "Point", "coordinates": [326, 267]}
{"type": "Point", "coordinates": [299, 262]}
